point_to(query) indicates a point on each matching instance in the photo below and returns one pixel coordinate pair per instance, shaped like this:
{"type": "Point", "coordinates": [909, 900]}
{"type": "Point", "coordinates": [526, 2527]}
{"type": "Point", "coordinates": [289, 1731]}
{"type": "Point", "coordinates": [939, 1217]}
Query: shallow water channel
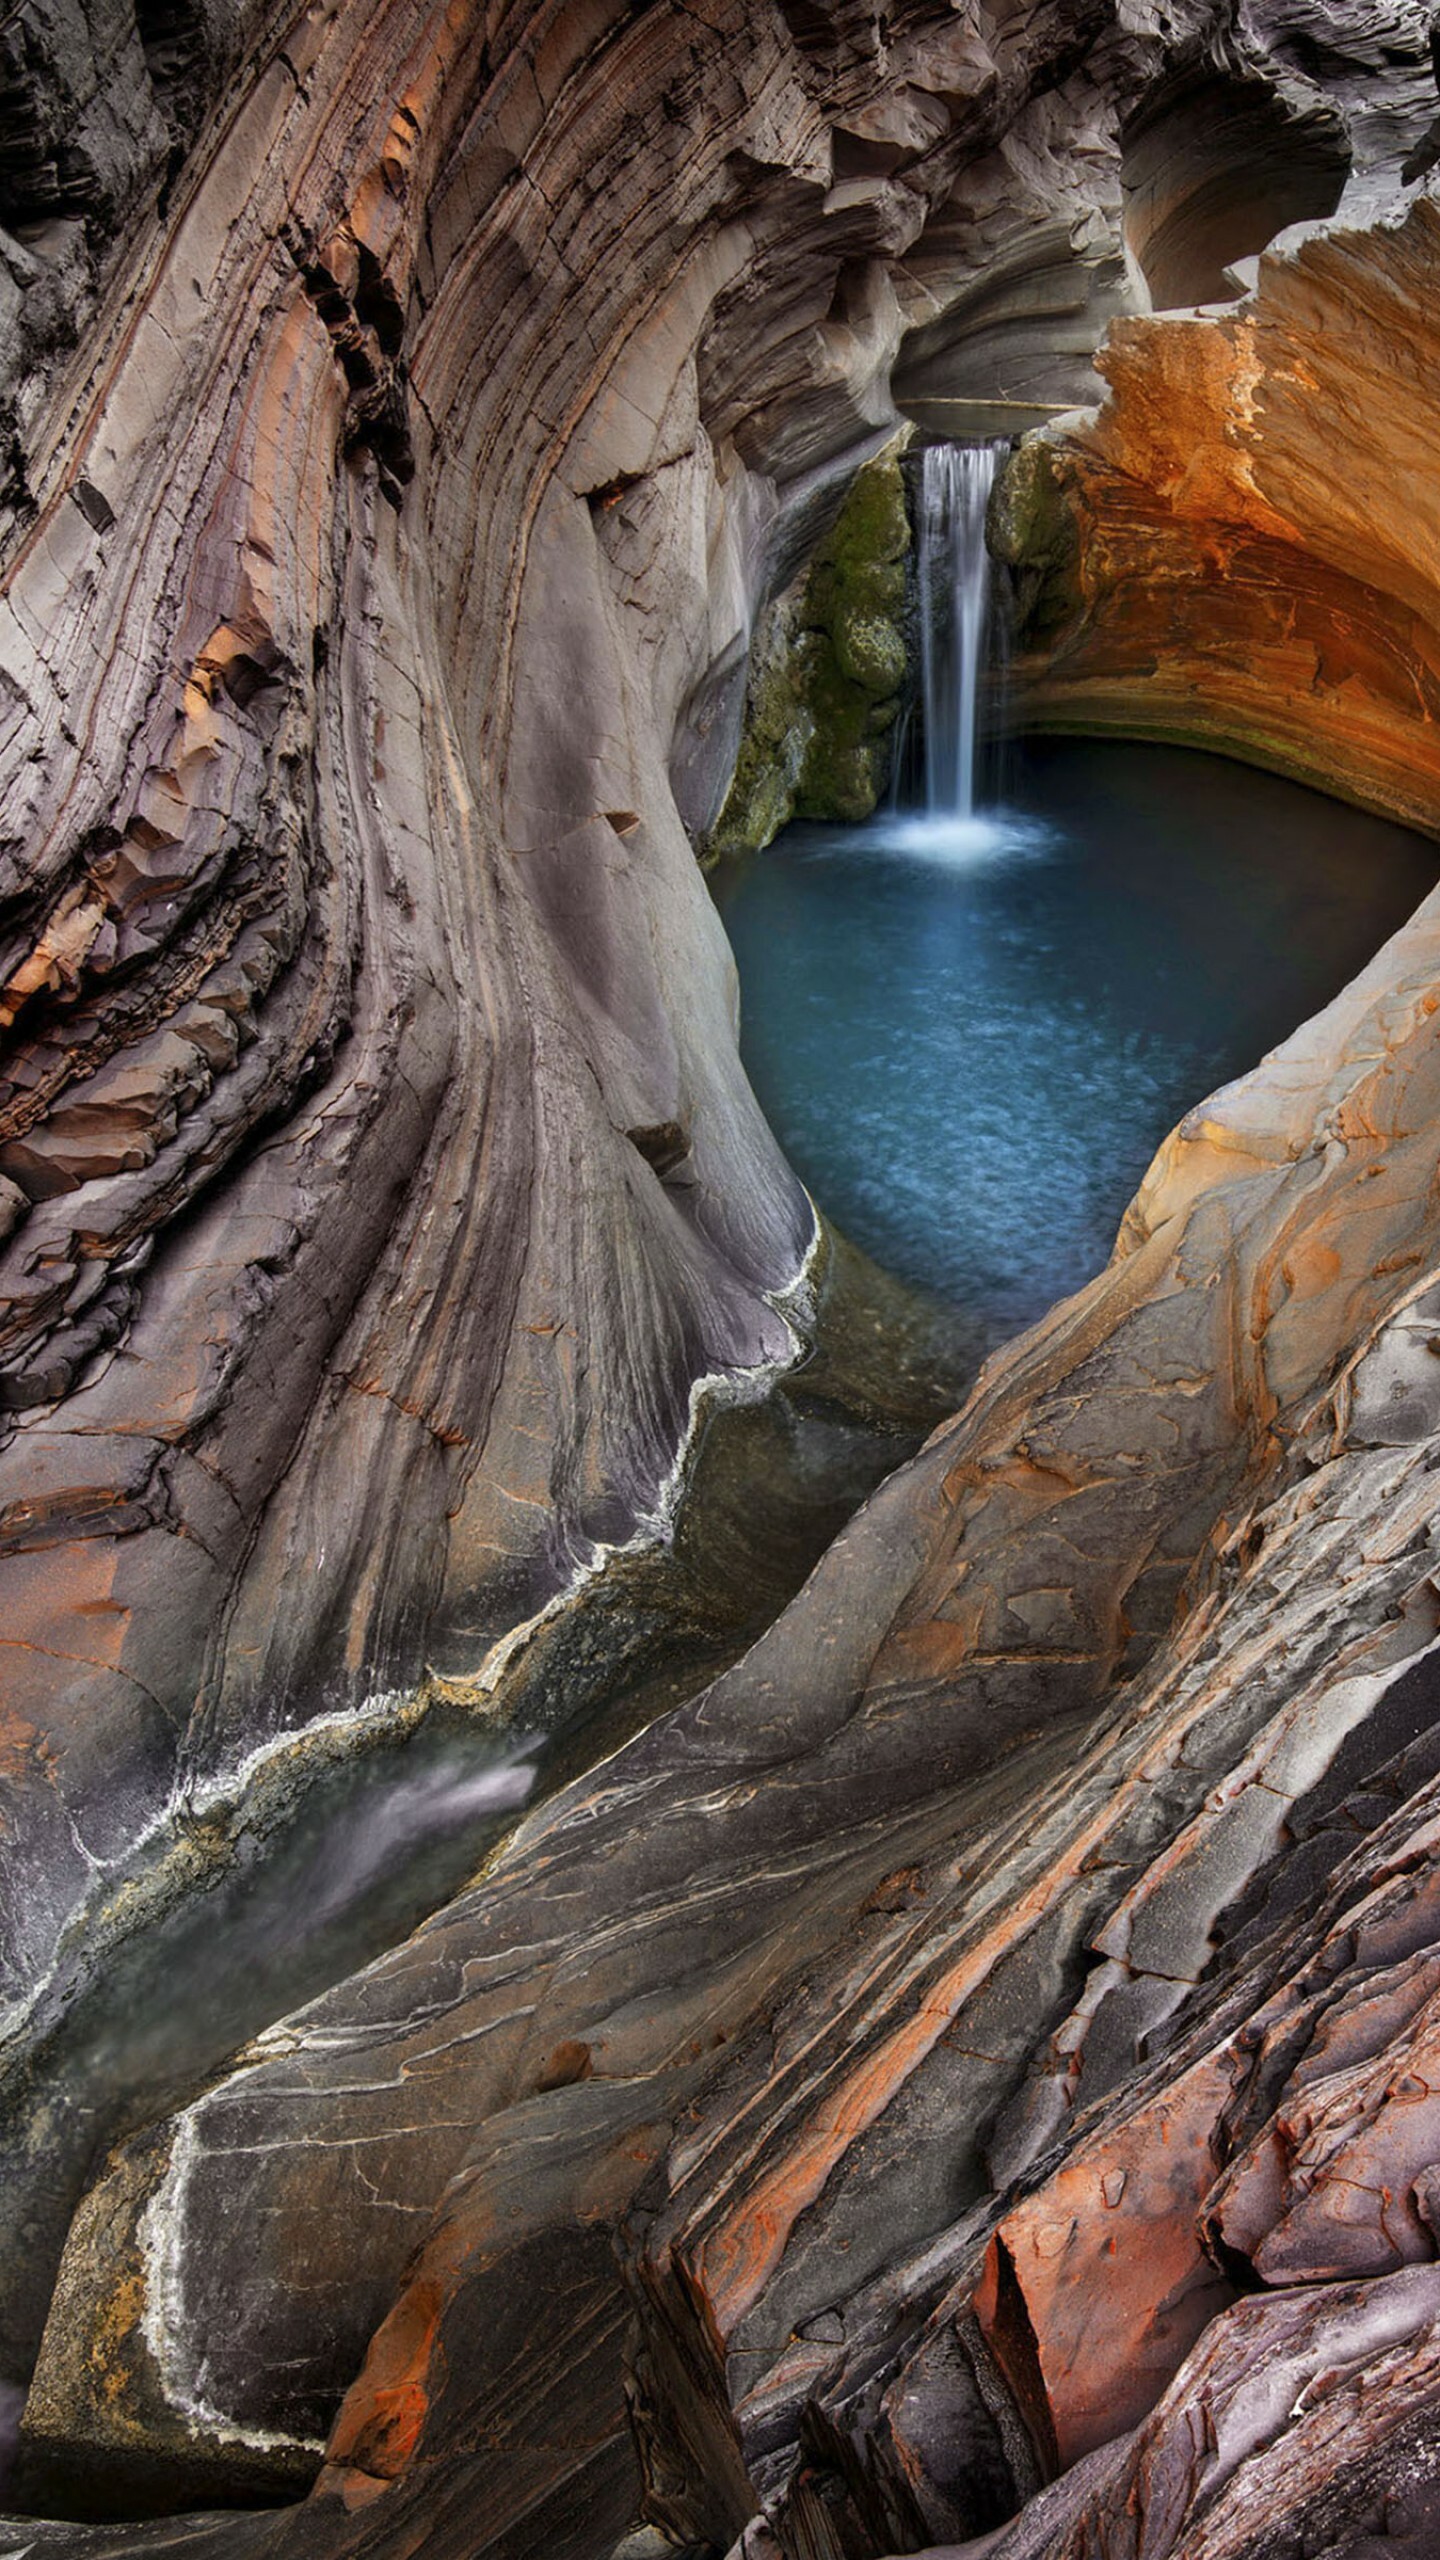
{"type": "Point", "coordinates": [971, 1035]}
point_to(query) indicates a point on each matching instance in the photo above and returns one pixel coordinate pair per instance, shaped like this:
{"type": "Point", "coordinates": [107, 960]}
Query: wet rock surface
{"type": "Point", "coordinates": [963, 2077]}
{"type": "Point", "coordinates": [829, 667]}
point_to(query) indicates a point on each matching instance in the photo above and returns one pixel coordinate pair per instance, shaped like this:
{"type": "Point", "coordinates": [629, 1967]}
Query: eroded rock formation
{"type": "Point", "coordinates": [964, 2073]}
{"type": "Point", "coordinates": [342, 975]}
{"type": "Point", "coordinates": [829, 664]}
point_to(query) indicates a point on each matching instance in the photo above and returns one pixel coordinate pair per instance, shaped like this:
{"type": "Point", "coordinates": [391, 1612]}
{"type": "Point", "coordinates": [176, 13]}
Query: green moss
{"type": "Point", "coordinates": [759, 803]}
{"type": "Point", "coordinates": [773, 741]}
{"type": "Point", "coordinates": [844, 763]}
{"type": "Point", "coordinates": [828, 672]}
{"type": "Point", "coordinates": [874, 586]}
{"type": "Point", "coordinates": [873, 524]}
{"type": "Point", "coordinates": [870, 652]}
{"type": "Point", "coordinates": [1033, 526]}
{"type": "Point", "coordinates": [843, 783]}
{"type": "Point", "coordinates": [855, 601]}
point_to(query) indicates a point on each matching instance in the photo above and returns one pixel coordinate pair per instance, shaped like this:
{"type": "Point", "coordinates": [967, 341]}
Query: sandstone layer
{"type": "Point", "coordinates": [964, 2074]}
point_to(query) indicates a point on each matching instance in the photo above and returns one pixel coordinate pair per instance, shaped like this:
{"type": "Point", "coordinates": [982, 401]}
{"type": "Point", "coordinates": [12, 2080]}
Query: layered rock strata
{"type": "Point", "coordinates": [1194, 563]}
{"type": "Point", "coordinates": [955, 2064]}
{"type": "Point", "coordinates": [380, 1185]}
{"type": "Point", "coordinates": [380, 1182]}
{"type": "Point", "coordinates": [1017, 1849]}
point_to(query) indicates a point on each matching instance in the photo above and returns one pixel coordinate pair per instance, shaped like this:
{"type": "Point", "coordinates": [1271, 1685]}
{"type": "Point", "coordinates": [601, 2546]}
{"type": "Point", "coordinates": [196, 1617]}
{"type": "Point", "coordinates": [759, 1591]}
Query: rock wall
{"type": "Point", "coordinates": [1196, 561]}
{"type": "Point", "coordinates": [380, 1181]}
{"type": "Point", "coordinates": [380, 1184]}
{"type": "Point", "coordinates": [906, 1999]}
{"type": "Point", "coordinates": [831, 663]}
{"type": "Point", "coordinates": [930, 2084]}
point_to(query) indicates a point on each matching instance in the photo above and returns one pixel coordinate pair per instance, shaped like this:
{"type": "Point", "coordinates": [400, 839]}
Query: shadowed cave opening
{"type": "Point", "coordinates": [1213, 167]}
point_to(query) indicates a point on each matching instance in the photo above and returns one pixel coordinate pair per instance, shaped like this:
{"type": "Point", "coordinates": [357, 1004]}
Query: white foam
{"type": "Point", "coordinates": [965, 844]}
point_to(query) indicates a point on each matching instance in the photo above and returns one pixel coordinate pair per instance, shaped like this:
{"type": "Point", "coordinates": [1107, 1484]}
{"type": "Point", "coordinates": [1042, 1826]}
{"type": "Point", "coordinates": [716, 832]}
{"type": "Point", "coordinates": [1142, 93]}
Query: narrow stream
{"type": "Point", "coordinates": [970, 1034]}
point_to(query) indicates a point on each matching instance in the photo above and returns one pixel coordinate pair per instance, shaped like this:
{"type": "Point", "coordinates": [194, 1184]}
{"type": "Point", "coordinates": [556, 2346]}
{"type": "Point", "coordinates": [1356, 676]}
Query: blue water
{"type": "Point", "coordinates": [971, 1037]}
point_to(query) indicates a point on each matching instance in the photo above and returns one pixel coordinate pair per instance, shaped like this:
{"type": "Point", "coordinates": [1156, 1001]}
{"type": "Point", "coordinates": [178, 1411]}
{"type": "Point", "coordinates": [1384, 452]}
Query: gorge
{"type": "Point", "coordinates": [641, 1914]}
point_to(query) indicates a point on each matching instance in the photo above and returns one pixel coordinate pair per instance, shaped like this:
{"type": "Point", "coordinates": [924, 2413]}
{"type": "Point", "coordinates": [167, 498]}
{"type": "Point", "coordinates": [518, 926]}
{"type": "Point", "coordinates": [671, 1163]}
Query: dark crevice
{"type": "Point", "coordinates": [366, 335]}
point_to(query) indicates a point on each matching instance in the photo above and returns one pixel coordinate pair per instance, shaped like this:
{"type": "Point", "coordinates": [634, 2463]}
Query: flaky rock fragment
{"type": "Point", "coordinates": [1303, 2421]}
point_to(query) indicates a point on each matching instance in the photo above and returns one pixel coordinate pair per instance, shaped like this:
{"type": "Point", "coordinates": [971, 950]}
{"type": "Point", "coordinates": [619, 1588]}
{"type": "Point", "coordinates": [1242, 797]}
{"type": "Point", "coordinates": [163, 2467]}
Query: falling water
{"type": "Point", "coordinates": [955, 485]}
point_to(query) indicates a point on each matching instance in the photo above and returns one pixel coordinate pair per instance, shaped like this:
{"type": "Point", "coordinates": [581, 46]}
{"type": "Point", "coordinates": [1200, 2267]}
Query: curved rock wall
{"type": "Point", "coordinates": [304, 987]}
{"type": "Point", "coordinates": [1216, 162]}
{"type": "Point", "coordinates": [981, 2040]}
{"type": "Point", "coordinates": [1224, 553]}
{"type": "Point", "coordinates": [963, 1840]}
{"type": "Point", "coordinates": [379, 1181]}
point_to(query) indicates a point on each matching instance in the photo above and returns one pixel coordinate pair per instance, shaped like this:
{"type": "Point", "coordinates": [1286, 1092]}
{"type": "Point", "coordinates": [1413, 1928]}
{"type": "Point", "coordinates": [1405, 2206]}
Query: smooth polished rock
{"type": "Point", "coordinates": [892, 1833]}
{"type": "Point", "coordinates": [994, 2006]}
{"type": "Point", "coordinates": [380, 580]}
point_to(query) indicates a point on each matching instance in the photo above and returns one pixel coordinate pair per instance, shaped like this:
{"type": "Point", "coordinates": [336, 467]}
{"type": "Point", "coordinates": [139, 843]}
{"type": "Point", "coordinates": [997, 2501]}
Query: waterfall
{"type": "Point", "coordinates": [955, 485]}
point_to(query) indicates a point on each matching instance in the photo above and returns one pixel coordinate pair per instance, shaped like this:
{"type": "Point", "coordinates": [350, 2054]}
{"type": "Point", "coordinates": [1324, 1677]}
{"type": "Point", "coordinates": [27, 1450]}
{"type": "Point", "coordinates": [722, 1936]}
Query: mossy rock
{"type": "Point", "coordinates": [870, 652]}
{"type": "Point", "coordinates": [828, 673]}
{"type": "Point", "coordinates": [844, 782]}
{"type": "Point", "coordinates": [855, 600]}
{"type": "Point", "coordinates": [773, 743]}
{"type": "Point", "coordinates": [759, 803]}
{"type": "Point", "coordinates": [873, 524]}
{"type": "Point", "coordinates": [869, 586]}
{"type": "Point", "coordinates": [840, 717]}
{"type": "Point", "coordinates": [1034, 527]}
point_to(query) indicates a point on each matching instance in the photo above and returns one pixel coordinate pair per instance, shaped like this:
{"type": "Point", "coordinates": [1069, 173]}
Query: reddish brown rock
{"type": "Point", "coordinates": [1202, 570]}
{"type": "Point", "coordinates": [375, 607]}
{"type": "Point", "coordinates": [1107, 2261]}
{"type": "Point", "coordinates": [367, 607]}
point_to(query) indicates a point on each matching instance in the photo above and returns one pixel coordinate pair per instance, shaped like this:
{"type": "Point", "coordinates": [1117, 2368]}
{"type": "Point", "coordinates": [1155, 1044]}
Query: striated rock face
{"type": "Point", "coordinates": [1209, 558]}
{"type": "Point", "coordinates": [378, 1182]}
{"type": "Point", "coordinates": [1218, 160]}
{"type": "Point", "coordinates": [378, 1178]}
{"type": "Point", "coordinates": [1067, 1979]}
{"type": "Point", "coordinates": [966, 2073]}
